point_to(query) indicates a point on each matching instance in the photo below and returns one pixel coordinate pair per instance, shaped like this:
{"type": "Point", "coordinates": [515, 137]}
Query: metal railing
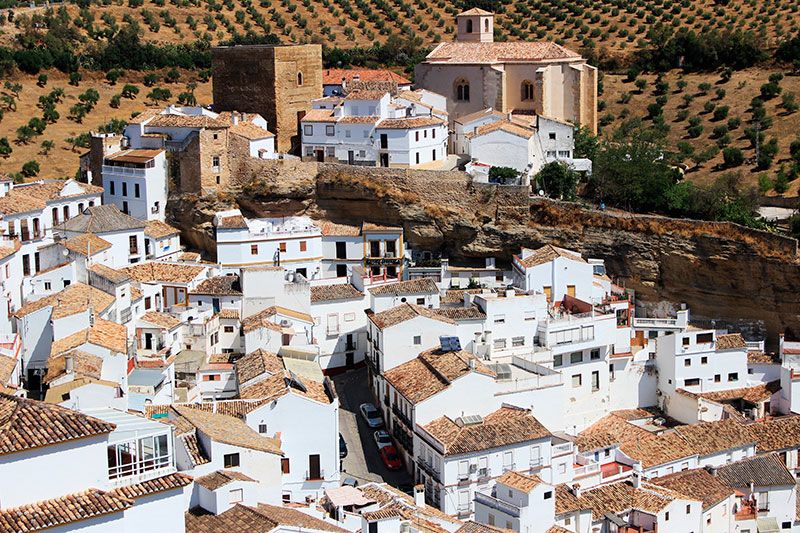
{"type": "Point", "coordinates": [494, 503]}
{"type": "Point", "coordinates": [309, 478]}
{"type": "Point", "coordinates": [562, 449]}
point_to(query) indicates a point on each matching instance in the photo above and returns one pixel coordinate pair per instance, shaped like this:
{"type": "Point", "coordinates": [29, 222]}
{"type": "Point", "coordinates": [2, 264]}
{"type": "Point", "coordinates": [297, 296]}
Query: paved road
{"type": "Point", "coordinates": [362, 461]}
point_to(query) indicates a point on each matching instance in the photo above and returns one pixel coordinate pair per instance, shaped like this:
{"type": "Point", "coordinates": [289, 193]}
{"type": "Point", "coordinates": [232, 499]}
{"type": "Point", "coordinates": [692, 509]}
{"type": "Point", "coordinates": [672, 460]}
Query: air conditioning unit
{"type": "Point", "coordinates": [285, 323]}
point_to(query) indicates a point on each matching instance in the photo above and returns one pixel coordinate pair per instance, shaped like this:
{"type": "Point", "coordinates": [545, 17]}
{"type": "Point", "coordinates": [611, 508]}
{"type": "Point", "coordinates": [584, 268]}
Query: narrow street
{"type": "Point", "coordinates": [362, 462]}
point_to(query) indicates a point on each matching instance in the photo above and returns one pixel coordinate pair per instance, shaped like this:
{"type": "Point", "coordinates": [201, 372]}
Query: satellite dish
{"type": "Point", "coordinates": [541, 192]}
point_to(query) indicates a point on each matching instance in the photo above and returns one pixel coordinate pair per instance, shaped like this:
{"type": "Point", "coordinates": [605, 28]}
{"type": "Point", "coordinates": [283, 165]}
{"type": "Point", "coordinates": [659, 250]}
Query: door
{"type": "Point", "coordinates": [349, 359]}
{"type": "Point", "coordinates": [571, 290]}
{"type": "Point", "coordinates": [548, 293]}
{"type": "Point", "coordinates": [351, 157]}
{"type": "Point", "coordinates": [384, 160]}
{"type": "Point", "coordinates": [148, 341]}
{"type": "Point", "coordinates": [384, 141]}
{"type": "Point", "coordinates": [341, 271]}
{"type": "Point", "coordinates": [215, 304]}
{"type": "Point", "coordinates": [341, 250]}
{"type": "Point", "coordinates": [320, 155]}
{"type": "Point", "coordinates": [314, 471]}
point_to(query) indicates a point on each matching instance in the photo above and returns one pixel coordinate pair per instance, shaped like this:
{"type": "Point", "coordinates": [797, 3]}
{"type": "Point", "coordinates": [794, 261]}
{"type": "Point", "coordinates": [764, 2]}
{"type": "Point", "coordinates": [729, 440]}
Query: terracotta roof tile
{"type": "Point", "coordinates": [319, 115]}
{"type": "Point", "coordinates": [707, 438]}
{"type": "Point", "coordinates": [162, 320]}
{"type": "Point", "coordinates": [506, 126]}
{"type": "Point", "coordinates": [404, 312]}
{"type": "Point", "coordinates": [761, 358]}
{"type": "Point", "coordinates": [262, 318]}
{"type": "Point", "coordinates": [697, 484]}
{"type": "Point", "coordinates": [339, 230]}
{"type": "Point", "coordinates": [616, 498]}
{"type": "Point", "coordinates": [219, 286]}
{"type": "Point", "coordinates": [229, 314]}
{"type": "Point", "coordinates": [73, 300]}
{"type": "Point", "coordinates": [257, 363]}
{"type": "Point", "coordinates": [756, 394]}
{"type": "Point", "coordinates": [192, 444]}
{"type": "Point", "coordinates": [157, 271]}
{"type": "Point", "coordinates": [762, 470]}
{"type": "Point", "coordinates": [103, 333]}
{"type": "Point", "coordinates": [86, 243]}
{"type": "Point", "coordinates": [368, 119]}
{"type": "Point", "coordinates": [101, 219]}
{"type": "Point", "coordinates": [409, 122]}
{"type": "Point", "coordinates": [153, 486]}
{"type": "Point", "coordinates": [220, 478]}
{"type": "Point", "coordinates": [547, 253]}
{"type": "Point", "coordinates": [731, 341]}
{"type": "Point", "coordinates": [61, 511]}
{"type": "Point", "coordinates": [228, 430]}
{"type": "Point", "coordinates": [84, 364]}
{"type": "Point", "coordinates": [333, 76]}
{"type": "Point", "coordinates": [776, 434]}
{"type": "Point", "coordinates": [27, 424]}
{"type": "Point", "coordinates": [340, 291]}
{"type": "Point", "coordinates": [281, 384]}
{"type": "Point", "coordinates": [263, 519]}
{"type": "Point", "coordinates": [499, 52]}
{"type": "Point", "coordinates": [517, 480]}
{"type": "Point", "coordinates": [111, 274]}
{"type": "Point", "coordinates": [186, 121]}
{"type": "Point", "coordinates": [250, 131]}
{"type": "Point", "coordinates": [232, 222]}
{"type": "Point", "coordinates": [472, 312]}
{"type": "Point", "coordinates": [157, 229]}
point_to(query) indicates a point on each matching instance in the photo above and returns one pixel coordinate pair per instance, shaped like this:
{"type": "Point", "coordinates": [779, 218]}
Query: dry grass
{"type": "Point", "coordinates": [62, 161]}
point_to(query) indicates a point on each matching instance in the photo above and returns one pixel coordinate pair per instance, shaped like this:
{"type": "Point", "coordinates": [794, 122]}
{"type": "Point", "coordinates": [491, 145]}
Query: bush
{"type": "Point", "coordinates": [789, 103]}
{"type": "Point", "coordinates": [781, 181]}
{"type": "Point", "coordinates": [5, 147]}
{"type": "Point", "coordinates": [694, 131]}
{"type": "Point", "coordinates": [764, 183]}
{"type": "Point", "coordinates": [770, 90]}
{"type": "Point", "coordinates": [557, 180]}
{"type": "Point", "coordinates": [75, 78]}
{"type": "Point", "coordinates": [503, 175]}
{"type": "Point", "coordinates": [733, 157]}
{"type": "Point", "coordinates": [30, 169]}
{"type": "Point", "coordinates": [721, 113]}
{"type": "Point", "coordinates": [41, 81]}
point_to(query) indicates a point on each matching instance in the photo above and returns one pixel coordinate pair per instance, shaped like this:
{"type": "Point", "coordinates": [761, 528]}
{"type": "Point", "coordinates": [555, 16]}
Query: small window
{"type": "Point", "coordinates": [111, 191]}
{"type": "Point", "coordinates": [687, 362]}
{"type": "Point", "coordinates": [124, 192]}
{"type": "Point", "coordinates": [230, 460]}
{"type": "Point", "coordinates": [548, 494]}
{"type": "Point", "coordinates": [299, 79]}
{"type": "Point", "coordinates": [517, 341]}
{"type": "Point", "coordinates": [416, 135]}
{"type": "Point", "coordinates": [262, 428]}
{"type": "Point", "coordinates": [704, 360]}
{"type": "Point", "coordinates": [417, 157]}
{"type": "Point", "coordinates": [692, 382]}
{"type": "Point", "coordinates": [329, 130]}
{"type": "Point", "coordinates": [47, 285]}
{"type": "Point", "coordinates": [666, 516]}
{"type": "Point", "coordinates": [717, 378]}
{"type": "Point", "coordinates": [253, 249]}
{"type": "Point", "coordinates": [576, 357]}
{"type": "Point", "coordinates": [417, 340]}
{"type": "Point", "coordinates": [786, 525]}
{"type": "Point", "coordinates": [499, 319]}
{"type": "Point", "coordinates": [595, 355]}
{"type": "Point", "coordinates": [282, 247]}
{"type": "Point", "coordinates": [558, 360]}
{"type": "Point", "coordinates": [308, 130]}
{"type": "Point", "coordinates": [236, 496]}
{"type": "Point", "coordinates": [303, 246]}
{"type": "Point", "coordinates": [285, 465]}
{"type": "Point", "coordinates": [136, 192]}
{"type": "Point", "coordinates": [733, 376]}
{"type": "Point", "coordinates": [215, 161]}
{"type": "Point", "coordinates": [577, 380]}
{"type": "Point", "coordinates": [688, 509]}
{"type": "Point", "coordinates": [228, 329]}
{"type": "Point", "coordinates": [216, 136]}
{"type": "Point", "coordinates": [705, 338]}
{"type": "Point", "coordinates": [552, 135]}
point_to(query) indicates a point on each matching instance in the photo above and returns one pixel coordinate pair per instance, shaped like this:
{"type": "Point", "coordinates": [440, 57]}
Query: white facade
{"type": "Point", "coordinates": [136, 182]}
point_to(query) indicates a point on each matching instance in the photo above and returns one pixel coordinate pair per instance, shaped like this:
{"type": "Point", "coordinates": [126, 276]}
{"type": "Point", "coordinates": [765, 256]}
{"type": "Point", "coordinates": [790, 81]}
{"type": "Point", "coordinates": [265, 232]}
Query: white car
{"type": "Point", "coordinates": [371, 415]}
{"type": "Point", "coordinates": [382, 438]}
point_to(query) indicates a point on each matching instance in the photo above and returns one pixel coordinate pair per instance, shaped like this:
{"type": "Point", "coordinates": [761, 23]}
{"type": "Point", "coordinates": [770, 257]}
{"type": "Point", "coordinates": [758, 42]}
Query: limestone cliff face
{"type": "Point", "coordinates": [720, 270]}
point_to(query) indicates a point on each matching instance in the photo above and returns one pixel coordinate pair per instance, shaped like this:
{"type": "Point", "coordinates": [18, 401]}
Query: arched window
{"type": "Point", "coordinates": [299, 79]}
{"type": "Point", "coordinates": [469, 26]}
{"type": "Point", "coordinates": [527, 90]}
{"type": "Point", "coordinates": [486, 25]}
{"type": "Point", "coordinates": [462, 90]}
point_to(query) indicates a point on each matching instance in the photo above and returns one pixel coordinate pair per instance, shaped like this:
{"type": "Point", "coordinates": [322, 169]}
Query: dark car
{"type": "Point", "coordinates": [342, 447]}
{"type": "Point", "coordinates": [390, 458]}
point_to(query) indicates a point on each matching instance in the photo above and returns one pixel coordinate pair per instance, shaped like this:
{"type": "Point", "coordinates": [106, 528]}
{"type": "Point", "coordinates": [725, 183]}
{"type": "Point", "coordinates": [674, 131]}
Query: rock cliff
{"type": "Point", "coordinates": [720, 270]}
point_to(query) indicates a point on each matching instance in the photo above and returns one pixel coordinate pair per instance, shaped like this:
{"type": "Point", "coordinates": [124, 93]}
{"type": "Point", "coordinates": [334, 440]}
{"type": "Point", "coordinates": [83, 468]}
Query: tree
{"type": "Point", "coordinates": [781, 181]}
{"type": "Point", "coordinates": [150, 79]}
{"type": "Point", "coordinates": [30, 169]}
{"type": "Point", "coordinates": [794, 150]}
{"type": "Point", "coordinates": [640, 84]}
{"type": "Point", "coordinates": [77, 113]}
{"type": "Point", "coordinates": [25, 134]}
{"type": "Point", "coordinates": [75, 78]}
{"type": "Point", "coordinates": [159, 94]}
{"type": "Point", "coordinates": [81, 141]}
{"type": "Point", "coordinates": [129, 91]}
{"type": "Point", "coordinates": [5, 147]}
{"type": "Point", "coordinates": [704, 87]}
{"type": "Point", "coordinates": [38, 125]}
{"type": "Point", "coordinates": [41, 81]}
{"type": "Point", "coordinates": [770, 91]}
{"type": "Point", "coordinates": [115, 101]}
{"type": "Point", "coordinates": [51, 115]}
{"type": "Point", "coordinates": [13, 88]}
{"type": "Point", "coordinates": [733, 157]}
{"type": "Point", "coordinates": [557, 180]}
{"type": "Point", "coordinates": [503, 175]}
{"type": "Point", "coordinates": [789, 103]}
{"type": "Point", "coordinates": [585, 143]}
{"type": "Point", "coordinates": [47, 146]}
{"type": "Point", "coordinates": [764, 183]}
{"type": "Point", "coordinates": [89, 98]}
{"type": "Point", "coordinates": [172, 76]}
{"type": "Point", "coordinates": [685, 151]}
{"type": "Point", "coordinates": [721, 112]}
{"type": "Point", "coordinates": [113, 75]}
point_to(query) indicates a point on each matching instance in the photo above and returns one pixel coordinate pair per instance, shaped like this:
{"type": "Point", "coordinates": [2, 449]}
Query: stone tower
{"type": "Point", "coordinates": [277, 82]}
{"type": "Point", "coordinates": [475, 25]}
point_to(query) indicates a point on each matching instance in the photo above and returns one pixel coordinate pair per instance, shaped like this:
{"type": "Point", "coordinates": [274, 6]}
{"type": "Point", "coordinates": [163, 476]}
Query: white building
{"type": "Point", "coordinates": [718, 498]}
{"type": "Point", "coordinates": [338, 310]}
{"type": "Point", "coordinates": [124, 233]}
{"type": "Point", "coordinates": [377, 249]}
{"type": "Point", "coordinates": [519, 502]}
{"type": "Point", "coordinates": [136, 182]}
{"type": "Point", "coordinates": [295, 243]}
{"type": "Point", "coordinates": [161, 241]}
{"type": "Point", "coordinates": [376, 128]}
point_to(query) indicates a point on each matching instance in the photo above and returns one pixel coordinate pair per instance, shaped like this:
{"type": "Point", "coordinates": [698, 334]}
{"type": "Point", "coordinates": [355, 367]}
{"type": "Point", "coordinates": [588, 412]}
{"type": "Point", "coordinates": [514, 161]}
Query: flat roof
{"type": "Point", "coordinates": [129, 426]}
{"type": "Point", "coordinates": [134, 156]}
{"type": "Point", "coordinates": [145, 377]}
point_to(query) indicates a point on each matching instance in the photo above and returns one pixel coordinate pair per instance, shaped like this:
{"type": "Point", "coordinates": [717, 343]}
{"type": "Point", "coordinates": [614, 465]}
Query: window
{"type": "Point", "coordinates": [417, 340]}
{"type": "Point", "coordinates": [262, 428]}
{"type": "Point", "coordinates": [303, 246]}
{"type": "Point", "coordinates": [462, 91]}
{"type": "Point", "coordinates": [486, 25]}
{"type": "Point", "coordinates": [136, 193]}
{"type": "Point", "coordinates": [558, 360]}
{"type": "Point", "coordinates": [576, 357]}
{"type": "Point", "coordinates": [692, 382]}
{"type": "Point", "coordinates": [499, 319]}
{"type": "Point", "coordinates": [347, 133]}
{"type": "Point", "coordinates": [666, 516]}
{"type": "Point", "coordinates": [215, 161]}
{"type": "Point", "coordinates": [329, 130]}
{"type": "Point", "coordinates": [133, 245]}
{"type": "Point", "coordinates": [124, 189]}
{"type": "Point", "coordinates": [595, 381]}
{"type": "Point", "coordinates": [253, 249]}
{"type": "Point", "coordinates": [373, 527]}
{"type": "Point", "coordinates": [786, 525]}
{"type": "Point", "coordinates": [517, 341]}
{"type": "Point", "coordinates": [469, 26]}
{"type": "Point", "coordinates": [491, 519]}
{"type": "Point", "coordinates": [211, 377]}
{"type": "Point", "coordinates": [307, 131]}
{"type": "Point", "coordinates": [499, 344]}
{"type": "Point", "coordinates": [235, 496]}
{"type": "Point", "coordinates": [688, 509]}
{"type": "Point", "coordinates": [299, 79]}
{"type": "Point", "coordinates": [577, 380]}
{"type": "Point", "coordinates": [595, 355]}
{"type": "Point", "coordinates": [552, 136]}
{"type": "Point", "coordinates": [733, 376]}
{"type": "Point", "coordinates": [527, 90]}
{"type": "Point", "coordinates": [47, 285]}
{"type": "Point", "coordinates": [416, 135]}
{"type": "Point", "coordinates": [687, 362]}
{"type": "Point", "coordinates": [420, 301]}
{"type": "Point", "coordinates": [433, 133]}
{"type": "Point", "coordinates": [433, 155]}
{"type": "Point", "coordinates": [705, 338]}
{"type": "Point", "coordinates": [216, 136]}
{"type": "Point", "coordinates": [228, 329]}
{"type": "Point", "coordinates": [416, 156]}
{"type": "Point", "coordinates": [282, 247]}
{"type": "Point", "coordinates": [230, 460]}
{"type": "Point", "coordinates": [285, 465]}
{"type": "Point", "coordinates": [110, 189]}
{"type": "Point", "coordinates": [704, 360]}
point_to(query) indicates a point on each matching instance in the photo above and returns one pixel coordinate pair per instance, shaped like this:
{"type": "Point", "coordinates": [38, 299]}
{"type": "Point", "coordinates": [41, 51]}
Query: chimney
{"type": "Point", "coordinates": [510, 293]}
{"type": "Point", "coordinates": [637, 475]}
{"type": "Point", "coordinates": [419, 495]}
{"type": "Point", "coordinates": [356, 78]}
{"type": "Point", "coordinates": [471, 363]}
{"type": "Point", "coordinates": [476, 342]}
{"type": "Point", "coordinates": [487, 339]}
{"type": "Point", "coordinates": [575, 489]}
{"type": "Point", "coordinates": [69, 364]}
{"type": "Point", "coordinates": [235, 117]}
{"type": "Point", "coordinates": [490, 262]}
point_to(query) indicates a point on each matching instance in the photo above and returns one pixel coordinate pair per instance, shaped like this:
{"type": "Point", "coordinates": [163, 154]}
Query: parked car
{"type": "Point", "coordinates": [371, 415]}
{"type": "Point", "coordinates": [382, 438]}
{"type": "Point", "coordinates": [342, 447]}
{"type": "Point", "coordinates": [350, 482]}
{"type": "Point", "coordinates": [390, 458]}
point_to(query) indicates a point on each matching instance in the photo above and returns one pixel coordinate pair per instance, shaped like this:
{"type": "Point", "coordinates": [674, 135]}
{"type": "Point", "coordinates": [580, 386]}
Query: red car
{"type": "Point", "coordinates": [390, 458]}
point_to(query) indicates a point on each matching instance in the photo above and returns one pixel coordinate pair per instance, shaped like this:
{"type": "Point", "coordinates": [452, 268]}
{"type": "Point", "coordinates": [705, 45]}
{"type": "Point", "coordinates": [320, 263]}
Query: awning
{"type": "Point", "coordinates": [767, 524]}
{"type": "Point", "coordinates": [346, 495]}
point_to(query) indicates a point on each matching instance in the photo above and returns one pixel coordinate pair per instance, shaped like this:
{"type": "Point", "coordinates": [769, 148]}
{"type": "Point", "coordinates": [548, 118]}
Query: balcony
{"type": "Point", "coordinates": [562, 449]}
{"type": "Point", "coordinates": [332, 330]}
{"type": "Point", "coordinates": [428, 469]}
{"type": "Point", "coordinates": [402, 417]}
{"type": "Point", "coordinates": [498, 505]}
{"type": "Point", "coordinates": [314, 476]}
{"type": "Point", "coordinates": [512, 466]}
{"type": "Point", "coordinates": [587, 470]}
{"type": "Point", "coordinates": [537, 463]}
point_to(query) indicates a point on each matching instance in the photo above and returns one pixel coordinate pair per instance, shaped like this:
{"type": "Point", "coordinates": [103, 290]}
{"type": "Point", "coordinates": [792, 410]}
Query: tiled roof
{"type": "Point", "coordinates": [506, 126]}
{"type": "Point", "coordinates": [319, 115]}
{"type": "Point", "coordinates": [250, 131]}
{"type": "Point", "coordinates": [409, 122]}
{"type": "Point", "coordinates": [280, 384]}
{"type": "Point", "coordinates": [697, 484]}
{"type": "Point", "coordinates": [232, 222]}
{"type": "Point", "coordinates": [547, 253]}
{"type": "Point", "coordinates": [466, 119]}
{"type": "Point", "coordinates": [153, 486]}
{"type": "Point", "coordinates": [707, 438]}
{"type": "Point", "coordinates": [506, 426]}
{"type": "Point", "coordinates": [111, 274]}
{"type": "Point", "coordinates": [134, 155]}
{"type": "Point", "coordinates": [101, 219]}
{"type": "Point", "coordinates": [474, 11]}
{"type": "Point", "coordinates": [761, 470]}
{"type": "Point", "coordinates": [341, 291]}
{"type": "Point", "coordinates": [84, 364]}
{"type": "Point", "coordinates": [61, 511]}
{"type": "Point", "coordinates": [189, 256]}
{"type": "Point", "coordinates": [423, 515]}
{"type": "Point", "coordinates": [192, 444]}
{"type": "Point", "coordinates": [616, 498]}
{"type": "Point", "coordinates": [432, 372]}
{"type": "Point", "coordinates": [229, 314]}
{"type": "Point", "coordinates": [761, 358]}
{"type": "Point", "coordinates": [186, 121]}
{"type": "Point", "coordinates": [73, 300]}
{"type": "Point", "coordinates": [219, 286]}
{"type": "Point", "coordinates": [235, 408]}
{"type": "Point", "coordinates": [157, 229]}
{"type": "Point", "coordinates": [262, 318]}
{"type": "Point", "coordinates": [759, 393]}
{"type": "Point", "coordinates": [412, 286]}
{"type": "Point", "coordinates": [500, 52]}
{"type": "Point", "coordinates": [103, 333]}
{"type": "Point", "coordinates": [285, 516]}
{"type": "Point", "coordinates": [365, 94]}
{"type": "Point", "coordinates": [6, 251]}
{"type": "Point", "coordinates": [263, 519]}
{"type": "Point", "coordinates": [368, 119]}
{"type": "Point", "coordinates": [330, 229]}
{"type": "Point", "coordinates": [404, 312]}
{"type": "Point", "coordinates": [472, 312]}
{"type": "Point", "coordinates": [257, 363]}
{"type": "Point", "coordinates": [7, 366]}
{"type": "Point", "coordinates": [220, 478]}
{"type": "Point", "coordinates": [228, 430]}
{"type": "Point", "coordinates": [608, 431]}
{"type": "Point", "coordinates": [776, 434]}
{"type": "Point", "coordinates": [519, 481]}
{"type": "Point", "coordinates": [162, 320]}
{"type": "Point", "coordinates": [333, 76]}
{"type": "Point", "coordinates": [22, 199]}
{"type": "Point", "coordinates": [86, 243]}
{"type": "Point", "coordinates": [157, 271]}
{"type": "Point", "coordinates": [27, 424]}
{"type": "Point", "coordinates": [475, 527]}
{"type": "Point", "coordinates": [731, 341]}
